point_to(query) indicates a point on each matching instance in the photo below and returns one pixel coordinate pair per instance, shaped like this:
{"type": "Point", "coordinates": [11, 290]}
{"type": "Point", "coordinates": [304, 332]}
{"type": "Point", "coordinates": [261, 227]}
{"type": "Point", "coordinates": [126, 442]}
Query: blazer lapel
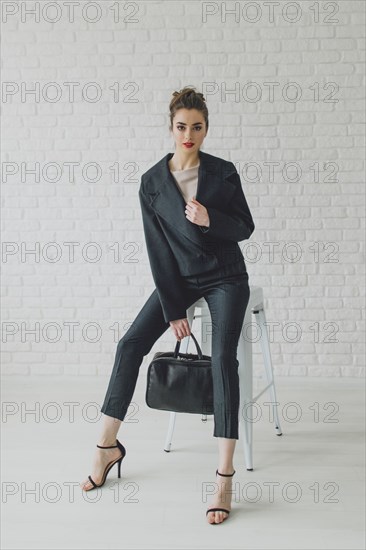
{"type": "Point", "coordinates": [213, 189]}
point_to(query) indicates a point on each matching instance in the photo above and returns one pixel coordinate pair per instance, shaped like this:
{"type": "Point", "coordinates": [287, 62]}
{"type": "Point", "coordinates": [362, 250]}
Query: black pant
{"type": "Point", "coordinates": [226, 291]}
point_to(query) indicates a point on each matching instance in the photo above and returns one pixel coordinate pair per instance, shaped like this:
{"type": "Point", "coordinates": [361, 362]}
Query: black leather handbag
{"type": "Point", "coordinates": [180, 382]}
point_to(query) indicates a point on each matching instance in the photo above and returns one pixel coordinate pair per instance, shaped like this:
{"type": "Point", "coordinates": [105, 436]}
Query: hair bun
{"type": "Point", "coordinates": [187, 91]}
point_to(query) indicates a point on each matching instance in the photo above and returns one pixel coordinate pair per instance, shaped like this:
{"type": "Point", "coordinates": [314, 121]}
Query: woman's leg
{"type": "Point", "coordinates": [224, 484]}
{"type": "Point", "coordinates": [227, 303]}
{"type": "Point", "coordinates": [145, 330]}
{"type": "Point", "coordinates": [102, 457]}
{"type": "Point", "coordinates": [148, 326]}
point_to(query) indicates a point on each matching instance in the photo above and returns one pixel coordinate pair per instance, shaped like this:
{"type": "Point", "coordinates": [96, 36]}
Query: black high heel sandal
{"type": "Point", "coordinates": [220, 509]}
{"type": "Point", "coordinates": [109, 465]}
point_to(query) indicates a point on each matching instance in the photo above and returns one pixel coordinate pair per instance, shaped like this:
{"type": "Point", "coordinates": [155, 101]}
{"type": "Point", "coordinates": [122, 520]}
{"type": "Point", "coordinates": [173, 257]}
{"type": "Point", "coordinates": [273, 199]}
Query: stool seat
{"type": "Point", "coordinates": [245, 368]}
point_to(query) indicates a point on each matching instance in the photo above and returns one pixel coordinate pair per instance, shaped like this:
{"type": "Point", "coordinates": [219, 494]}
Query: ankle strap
{"type": "Point", "coordinates": [225, 475]}
{"type": "Point", "coordinates": [110, 447]}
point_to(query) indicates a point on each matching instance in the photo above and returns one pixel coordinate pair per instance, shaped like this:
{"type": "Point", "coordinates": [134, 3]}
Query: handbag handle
{"type": "Point", "coordinates": [199, 351]}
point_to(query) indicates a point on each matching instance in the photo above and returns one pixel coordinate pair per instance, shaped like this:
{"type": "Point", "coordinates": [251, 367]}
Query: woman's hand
{"type": "Point", "coordinates": [180, 328]}
{"type": "Point", "coordinates": [197, 213]}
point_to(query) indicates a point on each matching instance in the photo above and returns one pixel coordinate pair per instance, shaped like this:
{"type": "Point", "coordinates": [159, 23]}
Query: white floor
{"type": "Point", "coordinates": [315, 469]}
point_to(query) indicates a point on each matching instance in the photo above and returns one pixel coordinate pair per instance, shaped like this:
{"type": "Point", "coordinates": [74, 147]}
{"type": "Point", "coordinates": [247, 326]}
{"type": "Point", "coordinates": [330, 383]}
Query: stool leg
{"type": "Point", "coordinates": [169, 435]}
{"type": "Point", "coordinates": [264, 341]}
{"type": "Point", "coordinates": [182, 349]}
{"type": "Point", "coordinates": [246, 388]}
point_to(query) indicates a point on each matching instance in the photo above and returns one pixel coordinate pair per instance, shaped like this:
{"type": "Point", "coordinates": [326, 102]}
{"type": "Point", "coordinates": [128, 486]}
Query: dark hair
{"type": "Point", "coordinates": [188, 98]}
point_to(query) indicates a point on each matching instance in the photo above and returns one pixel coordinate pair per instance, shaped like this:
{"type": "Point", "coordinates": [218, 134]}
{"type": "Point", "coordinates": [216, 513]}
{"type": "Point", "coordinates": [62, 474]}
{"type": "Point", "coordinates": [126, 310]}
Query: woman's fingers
{"type": "Point", "coordinates": [181, 329]}
{"type": "Point", "coordinates": [178, 333]}
{"type": "Point", "coordinates": [187, 328]}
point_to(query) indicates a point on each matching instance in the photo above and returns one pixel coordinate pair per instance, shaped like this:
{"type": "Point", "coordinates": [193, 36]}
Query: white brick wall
{"type": "Point", "coordinates": [312, 196]}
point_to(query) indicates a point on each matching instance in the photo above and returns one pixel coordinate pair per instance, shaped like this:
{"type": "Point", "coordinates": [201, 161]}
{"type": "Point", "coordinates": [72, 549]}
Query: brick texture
{"type": "Point", "coordinates": [86, 89]}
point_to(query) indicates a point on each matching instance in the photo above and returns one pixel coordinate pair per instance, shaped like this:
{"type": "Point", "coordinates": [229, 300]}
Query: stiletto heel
{"type": "Point", "coordinates": [110, 464]}
{"type": "Point", "coordinates": [220, 509]}
{"type": "Point", "coordinates": [119, 466]}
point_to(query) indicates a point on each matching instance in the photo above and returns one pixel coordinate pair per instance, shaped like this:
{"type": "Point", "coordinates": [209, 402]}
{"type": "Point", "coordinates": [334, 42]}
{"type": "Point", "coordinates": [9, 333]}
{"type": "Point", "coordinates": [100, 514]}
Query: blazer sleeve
{"type": "Point", "coordinates": [238, 224]}
{"type": "Point", "coordinates": [164, 267]}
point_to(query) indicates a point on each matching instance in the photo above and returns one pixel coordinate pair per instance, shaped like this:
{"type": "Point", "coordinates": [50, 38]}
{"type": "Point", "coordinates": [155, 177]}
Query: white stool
{"type": "Point", "coordinates": [245, 369]}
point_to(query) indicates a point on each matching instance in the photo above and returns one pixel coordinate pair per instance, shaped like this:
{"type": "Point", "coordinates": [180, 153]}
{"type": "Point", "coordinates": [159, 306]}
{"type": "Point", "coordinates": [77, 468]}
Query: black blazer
{"type": "Point", "coordinates": [177, 247]}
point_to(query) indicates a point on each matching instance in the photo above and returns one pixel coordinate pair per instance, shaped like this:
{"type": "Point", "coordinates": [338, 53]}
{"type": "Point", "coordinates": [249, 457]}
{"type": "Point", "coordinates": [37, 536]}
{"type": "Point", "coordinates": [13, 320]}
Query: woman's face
{"type": "Point", "coordinates": [189, 127]}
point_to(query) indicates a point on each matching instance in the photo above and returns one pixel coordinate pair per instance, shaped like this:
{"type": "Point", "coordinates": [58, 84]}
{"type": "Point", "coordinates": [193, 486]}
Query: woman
{"type": "Point", "coordinates": [194, 214]}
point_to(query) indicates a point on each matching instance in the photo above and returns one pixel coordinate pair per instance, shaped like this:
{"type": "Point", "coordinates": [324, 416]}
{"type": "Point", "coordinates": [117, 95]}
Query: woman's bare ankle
{"type": "Point", "coordinates": [107, 441]}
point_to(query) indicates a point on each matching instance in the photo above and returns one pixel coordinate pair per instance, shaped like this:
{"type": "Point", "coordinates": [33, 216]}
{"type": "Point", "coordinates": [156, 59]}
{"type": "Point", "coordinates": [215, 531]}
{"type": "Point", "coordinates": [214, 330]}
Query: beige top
{"type": "Point", "coordinates": [187, 181]}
